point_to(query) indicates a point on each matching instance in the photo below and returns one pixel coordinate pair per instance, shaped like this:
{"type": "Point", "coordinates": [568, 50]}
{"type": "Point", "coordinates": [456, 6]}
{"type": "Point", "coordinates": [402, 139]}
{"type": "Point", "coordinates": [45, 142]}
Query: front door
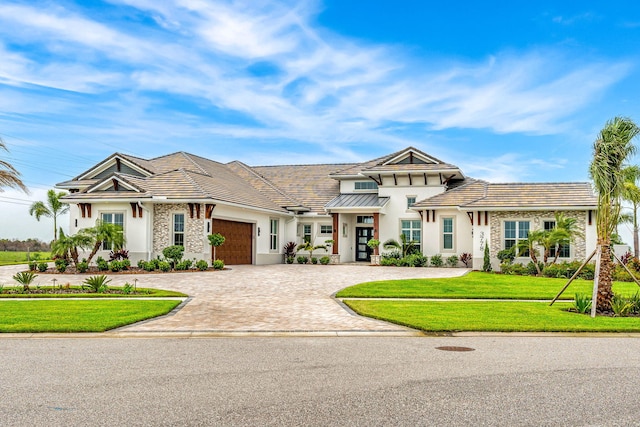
{"type": "Point", "coordinates": [363, 235]}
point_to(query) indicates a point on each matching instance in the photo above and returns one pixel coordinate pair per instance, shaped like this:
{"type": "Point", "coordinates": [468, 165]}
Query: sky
{"type": "Point", "coordinates": [507, 91]}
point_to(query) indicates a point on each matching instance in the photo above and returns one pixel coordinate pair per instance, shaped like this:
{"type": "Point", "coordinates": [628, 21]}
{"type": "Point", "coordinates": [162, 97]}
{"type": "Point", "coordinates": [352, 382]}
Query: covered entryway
{"type": "Point", "coordinates": [238, 244]}
{"type": "Point", "coordinates": [363, 251]}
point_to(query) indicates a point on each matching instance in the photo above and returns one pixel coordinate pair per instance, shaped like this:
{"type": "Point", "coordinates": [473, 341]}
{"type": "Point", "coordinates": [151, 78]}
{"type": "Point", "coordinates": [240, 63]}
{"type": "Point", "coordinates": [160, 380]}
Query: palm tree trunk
{"type": "Point", "coordinates": [55, 229]}
{"type": "Point", "coordinates": [95, 249]}
{"type": "Point", "coordinates": [635, 232]}
{"type": "Point", "coordinates": [603, 301]}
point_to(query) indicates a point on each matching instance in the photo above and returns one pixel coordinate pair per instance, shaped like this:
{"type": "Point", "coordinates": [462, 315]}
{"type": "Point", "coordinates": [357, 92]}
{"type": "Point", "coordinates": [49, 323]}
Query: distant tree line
{"type": "Point", "coordinates": [31, 245]}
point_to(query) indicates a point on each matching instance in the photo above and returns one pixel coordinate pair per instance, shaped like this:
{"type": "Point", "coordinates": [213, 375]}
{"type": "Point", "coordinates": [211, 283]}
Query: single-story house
{"type": "Point", "coordinates": [181, 198]}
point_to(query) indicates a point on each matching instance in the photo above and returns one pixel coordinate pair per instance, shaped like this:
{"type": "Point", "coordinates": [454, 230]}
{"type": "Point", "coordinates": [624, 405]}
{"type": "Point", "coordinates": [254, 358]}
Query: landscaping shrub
{"type": "Point", "coordinates": [97, 283]}
{"type": "Point", "coordinates": [82, 267]}
{"type": "Point", "coordinates": [290, 251]}
{"type": "Point", "coordinates": [388, 261]}
{"type": "Point", "coordinates": [42, 267]}
{"type": "Point", "coordinates": [314, 260]}
{"type": "Point", "coordinates": [582, 303]}
{"type": "Point", "coordinates": [218, 264]}
{"type": "Point", "coordinates": [302, 259]}
{"type": "Point", "coordinates": [466, 259]}
{"type": "Point", "coordinates": [620, 305]}
{"type": "Point", "coordinates": [506, 256]}
{"type": "Point", "coordinates": [127, 288]}
{"type": "Point", "coordinates": [417, 260]}
{"type": "Point", "coordinates": [162, 266]}
{"type": "Point", "coordinates": [141, 264]}
{"type": "Point", "coordinates": [184, 265]}
{"type": "Point", "coordinates": [436, 260]}
{"type": "Point", "coordinates": [325, 260]}
{"type": "Point", "coordinates": [115, 266]}
{"type": "Point", "coordinates": [119, 255]}
{"type": "Point", "coordinates": [33, 265]}
{"type": "Point", "coordinates": [202, 265]}
{"type": "Point", "coordinates": [452, 261]}
{"type": "Point", "coordinates": [126, 263]}
{"type": "Point", "coordinates": [531, 268]}
{"type": "Point", "coordinates": [102, 264]}
{"type": "Point", "coordinates": [61, 265]}
{"type": "Point", "coordinates": [290, 259]}
{"type": "Point", "coordinates": [634, 264]}
{"type": "Point", "coordinates": [151, 266]}
{"type": "Point", "coordinates": [173, 253]}
{"type": "Point", "coordinates": [486, 266]}
{"type": "Point", "coordinates": [25, 278]}
{"type": "Point", "coordinates": [394, 254]}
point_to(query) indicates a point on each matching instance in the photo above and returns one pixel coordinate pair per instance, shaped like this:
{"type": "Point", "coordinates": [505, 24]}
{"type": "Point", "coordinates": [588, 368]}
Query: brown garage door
{"type": "Point", "coordinates": [237, 247]}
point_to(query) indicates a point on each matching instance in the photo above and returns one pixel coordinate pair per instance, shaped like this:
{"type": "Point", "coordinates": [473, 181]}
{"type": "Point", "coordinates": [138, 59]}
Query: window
{"type": "Point", "coordinates": [365, 219]}
{"type": "Point", "coordinates": [447, 234]}
{"type": "Point", "coordinates": [326, 229]}
{"type": "Point", "coordinates": [178, 229]}
{"type": "Point", "coordinates": [411, 229]}
{"type": "Point", "coordinates": [514, 231]}
{"type": "Point", "coordinates": [366, 185]}
{"type": "Point", "coordinates": [565, 249]}
{"type": "Point", "coordinates": [112, 218]}
{"type": "Point", "coordinates": [306, 233]}
{"type": "Point", "coordinates": [411, 200]}
{"type": "Point", "coordinates": [273, 235]}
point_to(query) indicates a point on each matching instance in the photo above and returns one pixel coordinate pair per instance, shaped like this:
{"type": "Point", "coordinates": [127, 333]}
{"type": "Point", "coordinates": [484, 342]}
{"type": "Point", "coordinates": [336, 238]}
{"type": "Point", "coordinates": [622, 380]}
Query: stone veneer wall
{"type": "Point", "coordinates": [163, 223]}
{"type": "Point", "coordinates": [578, 247]}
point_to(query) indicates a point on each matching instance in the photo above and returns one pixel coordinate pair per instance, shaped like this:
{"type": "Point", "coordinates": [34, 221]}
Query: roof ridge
{"type": "Point", "coordinates": [188, 157]}
{"type": "Point", "coordinates": [185, 173]}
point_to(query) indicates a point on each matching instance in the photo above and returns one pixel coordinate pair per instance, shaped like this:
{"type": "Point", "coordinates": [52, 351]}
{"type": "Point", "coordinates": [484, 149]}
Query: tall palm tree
{"type": "Point", "coordinates": [611, 150]}
{"type": "Point", "coordinates": [105, 232]}
{"type": "Point", "coordinates": [51, 209]}
{"type": "Point", "coordinates": [631, 194]}
{"type": "Point", "coordinates": [67, 246]}
{"type": "Point", "coordinates": [9, 176]}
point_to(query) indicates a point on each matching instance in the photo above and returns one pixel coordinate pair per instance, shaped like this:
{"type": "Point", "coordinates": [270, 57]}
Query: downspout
{"type": "Point", "coordinates": [149, 230]}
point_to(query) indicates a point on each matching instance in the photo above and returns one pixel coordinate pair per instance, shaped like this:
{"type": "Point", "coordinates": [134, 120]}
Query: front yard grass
{"type": "Point", "coordinates": [469, 315]}
{"type": "Point", "coordinates": [478, 285]}
{"type": "Point", "coordinates": [78, 315]}
{"type": "Point", "coordinates": [446, 316]}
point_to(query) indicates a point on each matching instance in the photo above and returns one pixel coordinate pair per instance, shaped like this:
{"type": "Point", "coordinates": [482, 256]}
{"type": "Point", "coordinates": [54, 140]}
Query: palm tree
{"type": "Point", "coordinates": [631, 193]}
{"type": "Point", "coordinates": [406, 246]}
{"type": "Point", "coordinates": [528, 246]}
{"type": "Point", "coordinates": [611, 150]}
{"type": "Point", "coordinates": [9, 176]}
{"type": "Point", "coordinates": [105, 232]}
{"type": "Point", "coordinates": [67, 246]}
{"type": "Point", "coordinates": [565, 232]}
{"type": "Point", "coordinates": [52, 209]}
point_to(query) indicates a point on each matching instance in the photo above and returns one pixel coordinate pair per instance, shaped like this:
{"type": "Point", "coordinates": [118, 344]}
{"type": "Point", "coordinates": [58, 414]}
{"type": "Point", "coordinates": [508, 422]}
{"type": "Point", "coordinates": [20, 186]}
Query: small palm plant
{"type": "Point", "coordinates": [97, 283]}
{"type": "Point", "coordinates": [25, 278]}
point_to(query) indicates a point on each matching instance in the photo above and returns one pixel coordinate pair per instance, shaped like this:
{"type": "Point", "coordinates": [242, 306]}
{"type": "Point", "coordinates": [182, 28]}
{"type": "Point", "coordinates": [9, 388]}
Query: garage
{"type": "Point", "coordinates": [238, 244]}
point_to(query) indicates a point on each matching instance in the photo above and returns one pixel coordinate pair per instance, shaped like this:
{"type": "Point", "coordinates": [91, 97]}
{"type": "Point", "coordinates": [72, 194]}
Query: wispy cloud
{"type": "Point", "coordinates": [199, 59]}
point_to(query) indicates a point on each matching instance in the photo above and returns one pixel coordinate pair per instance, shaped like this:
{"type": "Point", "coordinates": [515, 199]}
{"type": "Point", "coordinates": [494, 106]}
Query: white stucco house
{"type": "Point", "coordinates": [180, 198]}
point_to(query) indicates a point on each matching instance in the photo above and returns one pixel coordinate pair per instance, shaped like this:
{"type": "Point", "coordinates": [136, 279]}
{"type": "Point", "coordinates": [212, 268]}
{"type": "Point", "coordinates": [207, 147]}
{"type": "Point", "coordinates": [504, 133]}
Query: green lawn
{"type": "Point", "coordinates": [490, 316]}
{"type": "Point", "coordinates": [470, 315]}
{"type": "Point", "coordinates": [78, 316]}
{"type": "Point", "coordinates": [12, 258]}
{"type": "Point", "coordinates": [143, 292]}
{"type": "Point", "coordinates": [477, 285]}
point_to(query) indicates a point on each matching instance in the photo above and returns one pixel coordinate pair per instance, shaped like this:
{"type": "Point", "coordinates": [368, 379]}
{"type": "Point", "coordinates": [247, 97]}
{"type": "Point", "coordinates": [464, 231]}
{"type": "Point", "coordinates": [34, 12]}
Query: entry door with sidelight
{"type": "Point", "coordinates": [363, 235]}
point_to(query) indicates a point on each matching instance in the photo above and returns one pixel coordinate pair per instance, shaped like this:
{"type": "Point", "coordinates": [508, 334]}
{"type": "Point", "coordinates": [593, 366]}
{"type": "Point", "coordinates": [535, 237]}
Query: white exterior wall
{"type": "Point", "coordinates": [136, 230]}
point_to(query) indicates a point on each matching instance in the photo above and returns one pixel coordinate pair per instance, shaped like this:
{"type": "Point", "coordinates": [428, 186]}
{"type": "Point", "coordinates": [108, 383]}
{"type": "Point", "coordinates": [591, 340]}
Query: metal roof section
{"type": "Point", "coordinates": [367, 200]}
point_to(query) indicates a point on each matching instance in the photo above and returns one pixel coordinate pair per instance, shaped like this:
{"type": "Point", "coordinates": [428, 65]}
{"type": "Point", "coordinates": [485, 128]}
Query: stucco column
{"type": "Point", "coordinates": [336, 224]}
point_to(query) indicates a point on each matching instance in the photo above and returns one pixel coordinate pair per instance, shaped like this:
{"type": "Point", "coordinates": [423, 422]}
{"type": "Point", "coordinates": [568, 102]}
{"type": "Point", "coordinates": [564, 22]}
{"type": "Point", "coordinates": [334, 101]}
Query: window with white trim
{"type": "Point", "coordinates": [565, 250]}
{"type": "Point", "coordinates": [365, 185]}
{"type": "Point", "coordinates": [273, 234]}
{"type": "Point", "coordinates": [364, 219]}
{"type": "Point", "coordinates": [115, 218]}
{"type": "Point", "coordinates": [411, 229]}
{"type": "Point", "coordinates": [306, 233]}
{"type": "Point", "coordinates": [178, 229]}
{"type": "Point", "coordinates": [514, 232]}
{"type": "Point", "coordinates": [326, 229]}
{"type": "Point", "coordinates": [411, 200]}
{"type": "Point", "coordinates": [447, 234]}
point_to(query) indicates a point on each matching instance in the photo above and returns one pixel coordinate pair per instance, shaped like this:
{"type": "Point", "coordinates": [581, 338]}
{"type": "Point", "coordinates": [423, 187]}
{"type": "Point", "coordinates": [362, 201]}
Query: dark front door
{"type": "Point", "coordinates": [363, 235]}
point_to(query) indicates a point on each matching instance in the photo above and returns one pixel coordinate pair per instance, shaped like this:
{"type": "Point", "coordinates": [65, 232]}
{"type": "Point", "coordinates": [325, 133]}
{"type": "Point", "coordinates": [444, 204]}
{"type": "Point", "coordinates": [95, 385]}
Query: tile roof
{"type": "Point", "coordinates": [367, 200]}
{"type": "Point", "coordinates": [483, 195]}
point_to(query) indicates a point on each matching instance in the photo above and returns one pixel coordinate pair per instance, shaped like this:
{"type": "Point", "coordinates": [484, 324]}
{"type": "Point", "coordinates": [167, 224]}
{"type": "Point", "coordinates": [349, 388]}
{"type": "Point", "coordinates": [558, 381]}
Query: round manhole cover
{"type": "Point", "coordinates": [454, 348]}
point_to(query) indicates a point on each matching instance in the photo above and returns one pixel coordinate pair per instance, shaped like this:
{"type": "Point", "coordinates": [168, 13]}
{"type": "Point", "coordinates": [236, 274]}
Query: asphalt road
{"type": "Point", "coordinates": [372, 381]}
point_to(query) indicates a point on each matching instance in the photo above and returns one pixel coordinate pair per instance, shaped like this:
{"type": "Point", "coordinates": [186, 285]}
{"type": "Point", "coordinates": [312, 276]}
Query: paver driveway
{"type": "Point", "coordinates": [262, 298]}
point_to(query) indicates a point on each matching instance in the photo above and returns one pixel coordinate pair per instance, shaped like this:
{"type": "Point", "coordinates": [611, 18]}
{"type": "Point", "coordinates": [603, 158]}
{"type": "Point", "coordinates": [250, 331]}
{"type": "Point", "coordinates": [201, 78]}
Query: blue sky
{"type": "Point", "coordinates": [508, 91]}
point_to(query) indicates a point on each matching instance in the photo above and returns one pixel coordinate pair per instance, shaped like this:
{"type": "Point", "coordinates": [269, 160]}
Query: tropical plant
{"type": "Point", "coordinates": [97, 283]}
{"type": "Point", "coordinates": [215, 240]}
{"type": "Point", "coordinates": [42, 267]}
{"type": "Point", "coordinates": [436, 260]}
{"type": "Point", "coordinates": [528, 245]}
{"type": "Point", "coordinates": [405, 245]}
{"type": "Point", "coordinates": [52, 208]}
{"type": "Point", "coordinates": [173, 254]}
{"type": "Point", "coordinates": [218, 264]}
{"type": "Point", "coordinates": [302, 259]}
{"type": "Point", "coordinates": [67, 245]}
{"type": "Point", "coordinates": [452, 261]}
{"type": "Point", "coordinates": [466, 258]}
{"type": "Point", "coordinates": [374, 244]}
{"type": "Point", "coordinates": [118, 255]}
{"type": "Point", "coordinates": [163, 266]}
{"type": "Point", "coordinates": [202, 265]}
{"type": "Point", "coordinates": [25, 278]}
{"type": "Point", "coordinates": [82, 267]}
{"type": "Point", "coordinates": [9, 176]}
{"type": "Point", "coordinates": [102, 264]}
{"type": "Point", "coordinates": [582, 303]}
{"type": "Point", "coordinates": [105, 232]}
{"type": "Point", "coordinates": [306, 246]}
{"type": "Point", "coordinates": [611, 150]}
{"type": "Point", "coordinates": [506, 256]}
{"type": "Point", "coordinates": [289, 250]}
{"type": "Point", "coordinates": [565, 231]}
{"type": "Point", "coordinates": [620, 305]}
{"type": "Point", "coordinates": [325, 260]}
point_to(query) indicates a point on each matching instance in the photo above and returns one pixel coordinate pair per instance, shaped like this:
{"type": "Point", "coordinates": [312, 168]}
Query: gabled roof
{"type": "Point", "coordinates": [484, 195]}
